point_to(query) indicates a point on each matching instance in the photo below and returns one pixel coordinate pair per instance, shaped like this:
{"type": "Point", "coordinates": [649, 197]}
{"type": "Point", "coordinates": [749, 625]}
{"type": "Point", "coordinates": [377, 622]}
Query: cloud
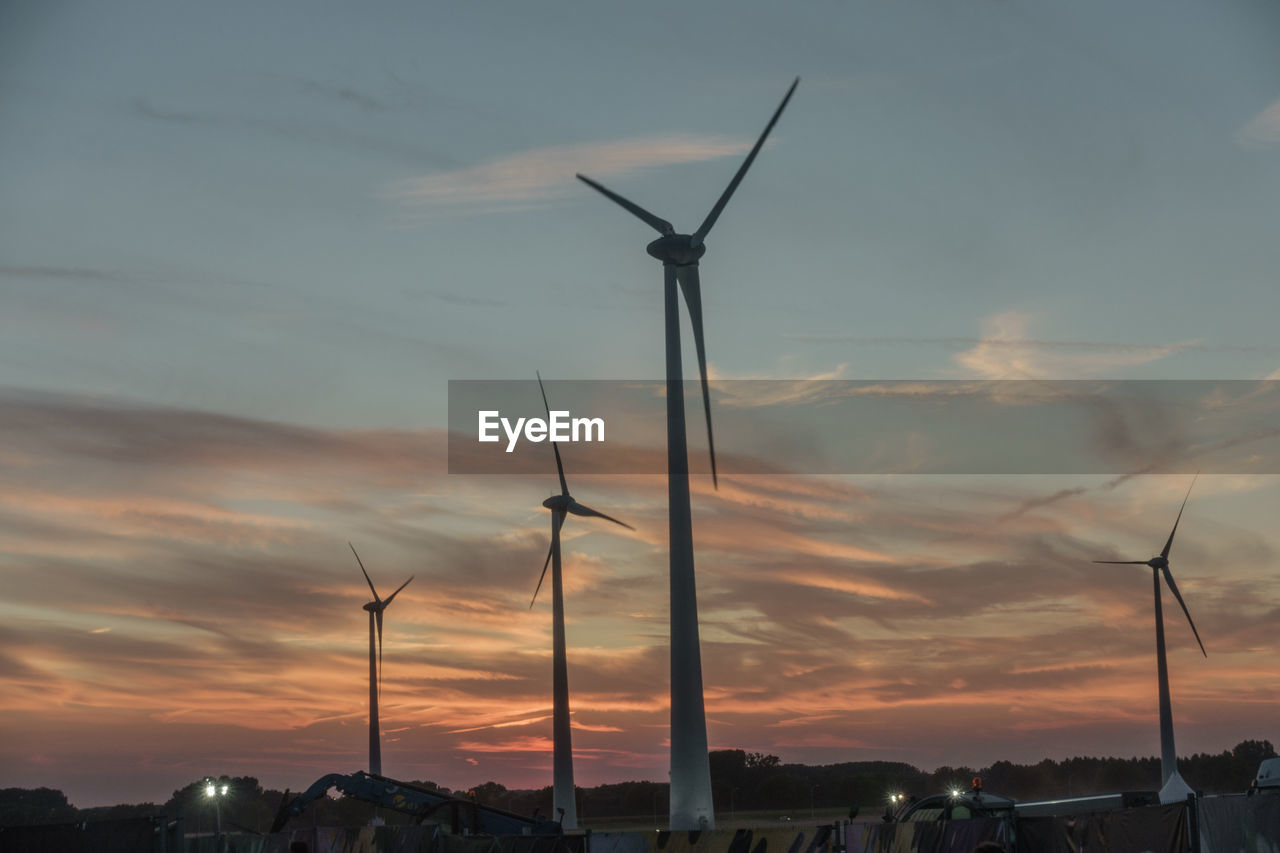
{"type": "Point", "coordinates": [333, 136]}
{"type": "Point", "coordinates": [1029, 343]}
{"type": "Point", "coordinates": [1263, 130]}
{"type": "Point", "coordinates": [344, 94]}
{"type": "Point", "coordinates": [839, 617]}
{"type": "Point", "coordinates": [1006, 352]}
{"type": "Point", "coordinates": [461, 299]}
{"type": "Point", "coordinates": [77, 274]}
{"type": "Point", "coordinates": [548, 173]}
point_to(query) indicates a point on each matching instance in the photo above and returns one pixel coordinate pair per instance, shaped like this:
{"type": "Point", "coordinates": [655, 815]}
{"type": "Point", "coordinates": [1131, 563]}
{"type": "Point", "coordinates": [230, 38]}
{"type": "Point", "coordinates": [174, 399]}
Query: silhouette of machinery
{"type": "Point", "coordinates": [460, 816]}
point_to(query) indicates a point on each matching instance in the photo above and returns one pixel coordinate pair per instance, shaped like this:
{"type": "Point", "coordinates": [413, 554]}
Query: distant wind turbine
{"type": "Point", "coordinates": [691, 803]}
{"type": "Point", "coordinates": [375, 609]}
{"type": "Point", "coordinates": [564, 801]}
{"type": "Point", "coordinates": [1173, 788]}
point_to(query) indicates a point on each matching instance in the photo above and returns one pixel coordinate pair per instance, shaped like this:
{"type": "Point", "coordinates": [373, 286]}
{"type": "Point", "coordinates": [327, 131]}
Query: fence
{"type": "Point", "coordinates": [1229, 824]}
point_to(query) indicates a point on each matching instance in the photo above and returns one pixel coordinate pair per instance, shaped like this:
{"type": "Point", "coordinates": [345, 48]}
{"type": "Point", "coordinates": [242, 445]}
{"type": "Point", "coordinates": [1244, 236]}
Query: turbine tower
{"type": "Point", "coordinates": [691, 805]}
{"type": "Point", "coordinates": [375, 609]}
{"type": "Point", "coordinates": [564, 801]}
{"type": "Point", "coordinates": [1173, 788]}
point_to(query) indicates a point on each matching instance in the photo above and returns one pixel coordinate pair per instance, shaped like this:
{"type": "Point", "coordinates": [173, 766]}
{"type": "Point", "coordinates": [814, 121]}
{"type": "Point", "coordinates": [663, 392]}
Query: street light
{"type": "Point", "coordinates": [216, 791]}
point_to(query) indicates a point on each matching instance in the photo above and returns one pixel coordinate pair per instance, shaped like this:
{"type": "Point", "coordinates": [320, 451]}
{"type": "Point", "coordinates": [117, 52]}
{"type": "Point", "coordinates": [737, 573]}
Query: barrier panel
{"type": "Point", "coordinates": [952, 836]}
{"type": "Point", "coordinates": [1239, 823]}
{"type": "Point", "coordinates": [126, 835]}
{"type": "Point", "coordinates": [1148, 829]}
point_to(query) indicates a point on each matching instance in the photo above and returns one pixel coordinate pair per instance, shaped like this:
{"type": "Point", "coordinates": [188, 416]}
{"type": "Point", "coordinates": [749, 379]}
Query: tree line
{"type": "Point", "coordinates": [741, 782]}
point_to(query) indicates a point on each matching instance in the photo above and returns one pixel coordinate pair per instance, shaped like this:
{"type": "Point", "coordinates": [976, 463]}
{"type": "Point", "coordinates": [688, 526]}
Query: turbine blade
{"type": "Point", "coordinates": [691, 286]}
{"type": "Point", "coordinates": [1124, 562]}
{"type": "Point", "coordinates": [710, 221]}
{"type": "Point", "coordinates": [543, 576]}
{"type": "Point", "coordinates": [366, 574]}
{"type": "Point", "coordinates": [662, 226]}
{"type": "Point", "coordinates": [578, 509]}
{"type": "Point", "coordinates": [1169, 544]}
{"type": "Point", "coordinates": [1173, 587]}
{"type": "Point", "coordinates": [387, 603]}
{"type": "Point", "coordinates": [564, 486]}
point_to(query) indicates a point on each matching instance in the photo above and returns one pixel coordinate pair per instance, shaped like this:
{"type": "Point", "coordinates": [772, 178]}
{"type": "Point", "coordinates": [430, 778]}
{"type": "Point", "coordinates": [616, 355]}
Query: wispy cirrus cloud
{"type": "Point", "coordinates": [1263, 130]}
{"type": "Point", "coordinates": [1007, 351]}
{"type": "Point", "coordinates": [329, 135]}
{"type": "Point", "coordinates": [544, 174]}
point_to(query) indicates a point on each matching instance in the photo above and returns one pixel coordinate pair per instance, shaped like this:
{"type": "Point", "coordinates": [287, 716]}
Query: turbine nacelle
{"type": "Point", "coordinates": [678, 249]}
{"type": "Point", "coordinates": [559, 502]}
{"type": "Point", "coordinates": [1158, 562]}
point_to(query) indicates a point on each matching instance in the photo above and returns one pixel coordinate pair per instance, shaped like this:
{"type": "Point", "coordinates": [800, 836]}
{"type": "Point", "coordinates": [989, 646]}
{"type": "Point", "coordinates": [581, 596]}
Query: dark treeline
{"type": "Point", "coordinates": [741, 781]}
{"type": "Point", "coordinates": [750, 781]}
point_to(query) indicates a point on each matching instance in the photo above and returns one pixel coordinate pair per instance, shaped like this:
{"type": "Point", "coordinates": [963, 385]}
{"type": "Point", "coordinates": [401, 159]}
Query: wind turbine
{"type": "Point", "coordinates": [375, 609]}
{"type": "Point", "coordinates": [691, 804]}
{"type": "Point", "coordinates": [564, 802]}
{"type": "Point", "coordinates": [1173, 788]}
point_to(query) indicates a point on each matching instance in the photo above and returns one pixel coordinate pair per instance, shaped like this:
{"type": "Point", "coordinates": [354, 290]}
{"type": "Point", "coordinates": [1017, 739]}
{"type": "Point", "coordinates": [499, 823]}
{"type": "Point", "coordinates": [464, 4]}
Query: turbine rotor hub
{"type": "Point", "coordinates": [676, 249]}
{"type": "Point", "coordinates": [372, 607]}
{"type": "Point", "coordinates": [560, 502]}
{"type": "Point", "coordinates": [1158, 563]}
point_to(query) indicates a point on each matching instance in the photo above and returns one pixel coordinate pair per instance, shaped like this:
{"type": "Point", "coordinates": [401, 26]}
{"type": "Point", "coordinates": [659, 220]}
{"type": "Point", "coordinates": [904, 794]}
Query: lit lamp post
{"type": "Point", "coordinates": [216, 791]}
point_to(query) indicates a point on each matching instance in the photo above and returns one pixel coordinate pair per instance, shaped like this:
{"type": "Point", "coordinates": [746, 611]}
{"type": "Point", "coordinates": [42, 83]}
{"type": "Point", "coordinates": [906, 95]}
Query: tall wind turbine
{"type": "Point", "coordinates": [564, 801]}
{"type": "Point", "coordinates": [1173, 788]}
{"type": "Point", "coordinates": [375, 609]}
{"type": "Point", "coordinates": [691, 805]}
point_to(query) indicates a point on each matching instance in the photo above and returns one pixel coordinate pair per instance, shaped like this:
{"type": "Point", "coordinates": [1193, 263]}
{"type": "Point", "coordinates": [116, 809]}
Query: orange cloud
{"type": "Point", "coordinates": [189, 602]}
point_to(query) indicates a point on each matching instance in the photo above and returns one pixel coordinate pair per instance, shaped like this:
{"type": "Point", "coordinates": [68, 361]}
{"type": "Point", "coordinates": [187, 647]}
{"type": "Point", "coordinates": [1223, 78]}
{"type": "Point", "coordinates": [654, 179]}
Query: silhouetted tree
{"type": "Point", "coordinates": [28, 806]}
{"type": "Point", "coordinates": [490, 794]}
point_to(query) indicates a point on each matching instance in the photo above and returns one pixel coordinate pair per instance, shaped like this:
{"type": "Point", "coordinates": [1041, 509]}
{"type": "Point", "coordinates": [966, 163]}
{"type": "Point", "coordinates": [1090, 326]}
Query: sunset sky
{"type": "Point", "coordinates": [244, 248]}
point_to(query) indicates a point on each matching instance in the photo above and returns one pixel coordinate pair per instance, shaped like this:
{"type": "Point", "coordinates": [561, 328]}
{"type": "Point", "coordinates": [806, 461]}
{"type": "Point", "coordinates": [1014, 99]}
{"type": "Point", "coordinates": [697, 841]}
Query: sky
{"type": "Point", "coordinates": [244, 248]}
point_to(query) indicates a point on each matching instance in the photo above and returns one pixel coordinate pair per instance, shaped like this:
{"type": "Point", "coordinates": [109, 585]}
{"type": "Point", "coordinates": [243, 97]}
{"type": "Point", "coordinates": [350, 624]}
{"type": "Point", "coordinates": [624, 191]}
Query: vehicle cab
{"type": "Point", "coordinates": [1268, 778]}
{"type": "Point", "coordinates": [956, 804]}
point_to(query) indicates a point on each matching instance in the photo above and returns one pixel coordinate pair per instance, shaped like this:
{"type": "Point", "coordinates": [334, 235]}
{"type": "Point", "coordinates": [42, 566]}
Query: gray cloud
{"type": "Point", "coordinates": [326, 135]}
{"type": "Point", "coordinates": [1119, 348]}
